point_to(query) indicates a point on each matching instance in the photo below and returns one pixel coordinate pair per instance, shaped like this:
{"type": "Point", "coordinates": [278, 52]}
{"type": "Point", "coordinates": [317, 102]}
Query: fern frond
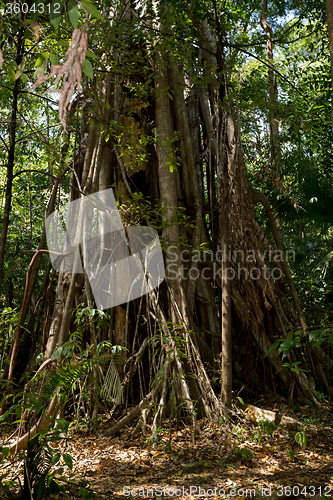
{"type": "Point", "coordinates": [111, 387]}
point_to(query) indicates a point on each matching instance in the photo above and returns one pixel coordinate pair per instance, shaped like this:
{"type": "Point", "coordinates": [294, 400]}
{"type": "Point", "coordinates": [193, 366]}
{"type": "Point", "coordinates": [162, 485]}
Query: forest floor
{"type": "Point", "coordinates": [238, 460]}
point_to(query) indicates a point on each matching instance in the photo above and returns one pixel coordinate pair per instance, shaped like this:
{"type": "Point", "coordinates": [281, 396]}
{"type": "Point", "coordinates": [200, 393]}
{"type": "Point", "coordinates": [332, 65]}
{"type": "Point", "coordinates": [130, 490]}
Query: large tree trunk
{"type": "Point", "coordinates": [194, 154]}
{"type": "Point", "coordinates": [167, 175]}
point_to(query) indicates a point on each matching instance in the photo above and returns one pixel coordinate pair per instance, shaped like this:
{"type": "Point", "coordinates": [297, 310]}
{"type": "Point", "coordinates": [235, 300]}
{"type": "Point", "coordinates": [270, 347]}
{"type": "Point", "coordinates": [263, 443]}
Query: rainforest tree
{"type": "Point", "coordinates": [176, 107]}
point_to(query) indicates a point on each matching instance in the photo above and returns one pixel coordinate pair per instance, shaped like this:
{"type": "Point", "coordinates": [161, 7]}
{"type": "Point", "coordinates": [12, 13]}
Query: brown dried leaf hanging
{"type": "Point", "coordinates": [35, 28]}
{"type": "Point", "coordinates": [1, 58]}
{"type": "Point", "coordinates": [71, 70]}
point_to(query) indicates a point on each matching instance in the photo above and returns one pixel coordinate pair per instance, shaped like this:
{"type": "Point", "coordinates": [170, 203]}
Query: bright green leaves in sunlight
{"type": "Point", "coordinates": [41, 64]}
{"type": "Point", "coordinates": [41, 58]}
{"type": "Point", "coordinates": [14, 74]}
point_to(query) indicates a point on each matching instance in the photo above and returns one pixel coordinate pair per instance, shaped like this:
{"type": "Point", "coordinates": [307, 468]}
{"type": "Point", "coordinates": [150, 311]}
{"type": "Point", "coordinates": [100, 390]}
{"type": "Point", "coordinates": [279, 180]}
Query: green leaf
{"type": "Point", "coordinates": [291, 453]}
{"type": "Point", "coordinates": [62, 424]}
{"type": "Point", "coordinates": [286, 344]}
{"type": "Point", "coordinates": [90, 55]}
{"type": "Point", "coordinates": [38, 406]}
{"type": "Point", "coordinates": [54, 59]}
{"type": "Point", "coordinates": [84, 493]}
{"type": "Point", "coordinates": [40, 488]}
{"type": "Point", "coordinates": [11, 72]}
{"type": "Point", "coordinates": [57, 353]}
{"type": "Point", "coordinates": [91, 9]}
{"type": "Point", "coordinates": [5, 452]}
{"type": "Point", "coordinates": [314, 334]}
{"type": "Point", "coordinates": [68, 461]}
{"type": "Point", "coordinates": [55, 14]}
{"type": "Point", "coordinates": [301, 439]}
{"type": "Point", "coordinates": [56, 458]}
{"type": "Point", "coordinates": [272, 348]}
{"type": "Point", "coordinates": [240, 400]}
{"type": "Point", "coordinates": [63, 43]}
{"type": "Point", "coordinates": [73, 13]}
{"type": "Point", "coordinates": [41, 69]}
{"type": "Point", "coordinates": [88, 69]}
{"type": "Point", "coordinates": [39, 61]}
{"type": "Point", "coordinates": [246, 454]}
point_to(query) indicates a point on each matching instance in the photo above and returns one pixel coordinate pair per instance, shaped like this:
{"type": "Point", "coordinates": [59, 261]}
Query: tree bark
{"type": "Point", "coordinates": [329, 10]}
{"type": "Point", "coordinates": [11, 156]}
{"type": "Point", "coordinates": [273, 123]}
{"type": "Point", "coordinates": [167, 173]}
{"type": "Point", "coordinates": [226, 360]}
{"type": "Point", "coordinates": [226, 163]}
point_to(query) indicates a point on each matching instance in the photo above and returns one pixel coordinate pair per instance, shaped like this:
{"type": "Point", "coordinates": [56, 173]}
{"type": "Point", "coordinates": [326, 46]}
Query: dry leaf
{"type": "Point", "coordinates": [35, 27]}
{"type": "Point", "coordinates": [71, 70]}
{"type": "Point", "coordinates": [1, 58]}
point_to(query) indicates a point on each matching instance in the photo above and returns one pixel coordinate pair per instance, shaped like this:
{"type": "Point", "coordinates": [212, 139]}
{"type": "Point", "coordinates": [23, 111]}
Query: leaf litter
{"type": "Point", "coordinates": [233, 458]}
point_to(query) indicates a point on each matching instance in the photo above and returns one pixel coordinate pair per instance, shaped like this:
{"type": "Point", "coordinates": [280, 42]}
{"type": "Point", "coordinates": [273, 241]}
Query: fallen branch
{"type": "Point", "coordinates": [257, 414]}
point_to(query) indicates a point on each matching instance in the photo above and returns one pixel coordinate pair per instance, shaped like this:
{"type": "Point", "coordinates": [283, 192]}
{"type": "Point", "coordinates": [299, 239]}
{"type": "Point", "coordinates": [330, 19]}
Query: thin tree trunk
{"type": "Point", "coordinates": [11, 157]}
{"type": "Point", "coordinates": [30, 285]}
{"type": "Point", "coordinates": [33, 270]}
{"type": "Point", "coordinates": [273, 123]}
{"type": "Point", "coordinates": [329, 9]}
{"type": "Point", "coordinates": [226, 360]}
{"type": "Point", "coordinates": [226, 163]}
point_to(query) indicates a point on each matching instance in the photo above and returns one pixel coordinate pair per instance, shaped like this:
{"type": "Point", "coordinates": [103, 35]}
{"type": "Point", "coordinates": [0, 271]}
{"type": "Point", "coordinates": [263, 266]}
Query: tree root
{"type": "Point", "coordinates": [43, 424]}
{"type": "Point", "coordinates": [146, 402]}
